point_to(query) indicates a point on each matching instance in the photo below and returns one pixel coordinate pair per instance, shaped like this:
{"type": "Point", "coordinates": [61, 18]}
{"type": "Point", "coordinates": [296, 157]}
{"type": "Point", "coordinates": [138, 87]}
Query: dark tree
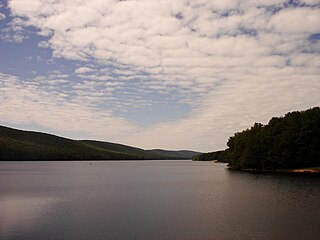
{"type": "Point", "coordinates": [288, 142]}
{"type": "Point", "coordinates": [292, 141]}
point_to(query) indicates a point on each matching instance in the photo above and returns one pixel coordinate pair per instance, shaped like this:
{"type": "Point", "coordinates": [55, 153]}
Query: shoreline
{"type": "Point", "coordinates": [298, 170]}
{"type": "Point", "coordinates": [313, 170]}
{"type": "Point", "coordinates": [302, 170]}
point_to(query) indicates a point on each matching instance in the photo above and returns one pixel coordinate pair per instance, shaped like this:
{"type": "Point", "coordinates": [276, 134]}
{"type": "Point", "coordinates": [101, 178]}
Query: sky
{"type": "Point", "coordinates": [182, 74]}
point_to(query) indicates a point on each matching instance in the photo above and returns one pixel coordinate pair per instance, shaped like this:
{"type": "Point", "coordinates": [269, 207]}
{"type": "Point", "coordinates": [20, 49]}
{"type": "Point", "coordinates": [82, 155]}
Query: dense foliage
{"type": "Point", "coordinates": [292, 141]}
{"type": "Point", "coordinates": [288, 142]}
{"type": "Point", "coordinates": [25, 145]}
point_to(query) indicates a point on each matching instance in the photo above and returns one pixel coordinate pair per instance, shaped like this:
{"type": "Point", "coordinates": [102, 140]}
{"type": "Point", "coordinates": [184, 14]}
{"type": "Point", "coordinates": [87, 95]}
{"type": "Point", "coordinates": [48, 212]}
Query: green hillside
{"type": "Point", "coordinates": [25, 145]}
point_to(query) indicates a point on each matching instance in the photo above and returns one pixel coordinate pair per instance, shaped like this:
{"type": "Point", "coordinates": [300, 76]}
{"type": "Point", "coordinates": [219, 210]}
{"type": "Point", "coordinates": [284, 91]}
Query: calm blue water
{"type": "Point", "coordinates": [154, 200]}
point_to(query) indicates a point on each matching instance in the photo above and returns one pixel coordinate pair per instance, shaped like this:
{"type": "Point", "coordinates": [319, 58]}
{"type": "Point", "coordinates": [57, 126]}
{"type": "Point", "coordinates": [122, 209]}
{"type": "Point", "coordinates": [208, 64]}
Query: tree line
{"type": "Point", "coordinates": [288, 142]}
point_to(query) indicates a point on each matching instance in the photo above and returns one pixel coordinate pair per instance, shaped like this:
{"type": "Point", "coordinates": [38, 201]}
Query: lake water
{"type": "Point", "coordinates": [154, 200]}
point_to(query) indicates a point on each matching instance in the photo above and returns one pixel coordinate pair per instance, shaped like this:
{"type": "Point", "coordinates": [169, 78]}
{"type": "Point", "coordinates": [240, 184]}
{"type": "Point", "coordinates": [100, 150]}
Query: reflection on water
{"type": "Point", "coordinates": [154, 200]}
{"type": "Point", "coordinates": [21, 212]}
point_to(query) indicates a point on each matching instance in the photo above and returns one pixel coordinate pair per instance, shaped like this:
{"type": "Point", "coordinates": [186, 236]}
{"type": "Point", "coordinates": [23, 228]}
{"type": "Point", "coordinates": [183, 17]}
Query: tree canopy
{"type": "Point", "coordinates": [288, 142]}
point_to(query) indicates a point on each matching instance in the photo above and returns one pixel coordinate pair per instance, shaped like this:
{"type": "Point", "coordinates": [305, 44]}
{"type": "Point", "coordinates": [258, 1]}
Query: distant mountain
{"type": "Point", "coordinates": [26, 145]}
{"type": "Point", "coordinates": [184, 154]}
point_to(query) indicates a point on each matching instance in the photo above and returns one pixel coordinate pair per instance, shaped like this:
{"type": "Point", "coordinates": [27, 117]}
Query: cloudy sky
{"type": "Point", "coordinates": [182, 74]}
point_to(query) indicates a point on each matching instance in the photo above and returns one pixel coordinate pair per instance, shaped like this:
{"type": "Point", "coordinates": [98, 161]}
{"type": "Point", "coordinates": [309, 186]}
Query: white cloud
{"type": "Point", "coordinates": [82, 70]}
{"type": "Point", "coordinates": [234, 106]}
{"type": "Point", "coordinates": [2, 16]}
{"type": "Point", "coordinates": [233, 62]}
{"type": "Point", "coordinates": [14, 32]}
{"type": "Point", "coordinates": [297, 20]}
{"type": "Point", "coordinates": [311, 2]}
{"type": "Point", "coordinates": [27, 103]}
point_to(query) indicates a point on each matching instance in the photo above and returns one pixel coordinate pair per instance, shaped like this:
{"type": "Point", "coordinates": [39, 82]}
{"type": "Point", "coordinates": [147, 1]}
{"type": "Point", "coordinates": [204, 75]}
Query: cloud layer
{"type": "Point", "coordinates": [232, 62]}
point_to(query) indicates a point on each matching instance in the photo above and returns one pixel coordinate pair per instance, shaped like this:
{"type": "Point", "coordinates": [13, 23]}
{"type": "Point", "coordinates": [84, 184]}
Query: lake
{"type": "Point", "coordinates": [154, 200]}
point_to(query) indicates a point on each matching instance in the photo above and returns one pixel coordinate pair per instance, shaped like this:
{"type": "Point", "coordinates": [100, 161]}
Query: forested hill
{"type": "Point", "coordinates": [288, 142]}
{"type": "Point", "coordinates": [220, 156]}
{"type": "Point", "coordinates": [25, 145]}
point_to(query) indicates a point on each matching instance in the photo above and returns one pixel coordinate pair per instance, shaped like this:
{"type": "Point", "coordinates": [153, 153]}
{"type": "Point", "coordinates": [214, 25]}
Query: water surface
{"type": "Point", "coordinates": [154, 200]}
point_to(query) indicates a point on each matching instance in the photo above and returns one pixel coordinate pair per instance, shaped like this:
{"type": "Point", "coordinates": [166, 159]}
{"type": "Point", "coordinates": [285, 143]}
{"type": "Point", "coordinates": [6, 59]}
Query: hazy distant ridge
{"type": "Point", "coordinates": [26, 145]}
